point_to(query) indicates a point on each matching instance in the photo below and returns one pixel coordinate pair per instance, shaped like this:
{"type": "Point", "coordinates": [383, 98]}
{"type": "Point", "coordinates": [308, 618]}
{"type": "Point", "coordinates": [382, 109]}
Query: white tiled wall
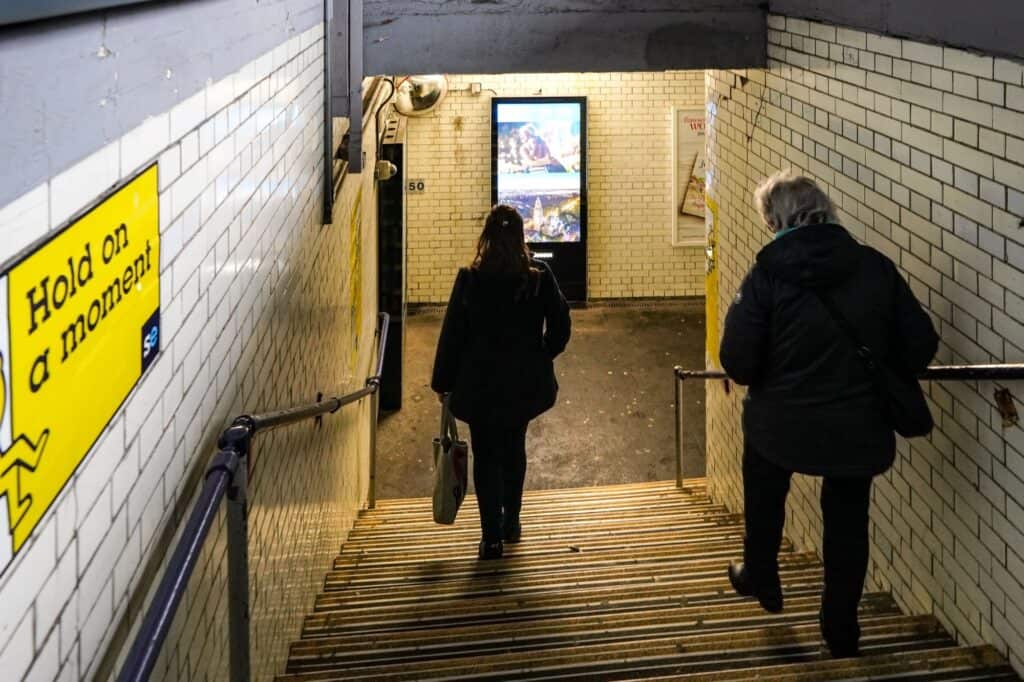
{"type": "Point", "coordinates": [629, 169]}
{"type": "Point", "coordinates": [922, 149]}
{"type": "Point", "coordinates": [257, 314]}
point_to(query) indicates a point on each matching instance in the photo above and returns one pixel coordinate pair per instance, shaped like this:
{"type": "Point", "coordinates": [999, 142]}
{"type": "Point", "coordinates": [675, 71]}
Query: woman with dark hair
{"type": "Point", "coordinates": [506, 321]}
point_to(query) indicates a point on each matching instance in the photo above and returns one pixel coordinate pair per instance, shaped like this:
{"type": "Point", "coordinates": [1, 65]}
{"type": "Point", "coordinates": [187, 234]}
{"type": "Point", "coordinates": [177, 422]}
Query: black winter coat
{"type": "Point", "coordinates": [811, 407]}
{"type": "Point", "coordinates": [497, 344]}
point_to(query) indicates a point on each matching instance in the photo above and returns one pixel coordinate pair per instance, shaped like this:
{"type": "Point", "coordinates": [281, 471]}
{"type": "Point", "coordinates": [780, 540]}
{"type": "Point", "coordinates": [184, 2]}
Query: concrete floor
{"type": "Point", "coordinates": [613, 422]}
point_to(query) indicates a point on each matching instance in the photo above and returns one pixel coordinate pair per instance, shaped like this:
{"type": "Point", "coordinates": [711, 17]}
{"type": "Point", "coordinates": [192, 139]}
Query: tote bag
{"type": "Point", "coordinates": [451, 467]}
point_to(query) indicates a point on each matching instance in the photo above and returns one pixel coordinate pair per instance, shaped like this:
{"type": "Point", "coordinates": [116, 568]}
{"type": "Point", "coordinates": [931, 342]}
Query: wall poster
{"type": "Point", "coordinates": [80, 325]}
{"type": "Point", "coordinates": [689, 173]}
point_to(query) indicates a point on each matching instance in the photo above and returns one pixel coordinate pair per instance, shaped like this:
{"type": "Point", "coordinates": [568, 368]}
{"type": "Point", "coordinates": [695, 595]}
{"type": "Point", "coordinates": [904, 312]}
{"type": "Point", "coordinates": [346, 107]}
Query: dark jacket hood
{"type": "Point", "coordinates": [816, 256]}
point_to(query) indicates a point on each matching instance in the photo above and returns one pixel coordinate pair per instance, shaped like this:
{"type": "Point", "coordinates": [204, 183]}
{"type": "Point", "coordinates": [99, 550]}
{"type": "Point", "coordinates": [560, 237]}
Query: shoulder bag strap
{"type": "Point", "coordinates": [453, 429]}
{"type": "Point", "coordinates": [449, 429]}
{"type": "Point", "coordinates": [863, 351]}
{"type": "Point", "coordinates": [445, 416]}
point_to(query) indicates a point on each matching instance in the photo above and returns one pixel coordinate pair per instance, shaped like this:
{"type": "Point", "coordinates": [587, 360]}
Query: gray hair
{"type": "Point", "coordinates": [789, 200]}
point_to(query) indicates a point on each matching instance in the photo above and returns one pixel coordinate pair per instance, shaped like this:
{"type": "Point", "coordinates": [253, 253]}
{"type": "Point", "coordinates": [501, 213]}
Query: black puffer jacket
{"type": "Point", "coordinates": [811, 407]}
{"type": "Point", "coordinates": [498, 340]}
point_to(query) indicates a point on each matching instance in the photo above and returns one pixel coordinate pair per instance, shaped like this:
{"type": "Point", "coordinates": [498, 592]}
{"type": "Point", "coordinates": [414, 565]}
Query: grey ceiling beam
{"type": "Point", "coordinates": [19, 11]}
{"type": "Point", "coordinates": [345, 31]}
{"type": "Point", "coordinates": [538, 36]}
{"type": "Point", "coordinates": [355, 86]}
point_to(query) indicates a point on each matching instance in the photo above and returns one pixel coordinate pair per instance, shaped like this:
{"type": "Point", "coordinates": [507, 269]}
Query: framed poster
{"type": "Point", "coordinates": [689, 169]}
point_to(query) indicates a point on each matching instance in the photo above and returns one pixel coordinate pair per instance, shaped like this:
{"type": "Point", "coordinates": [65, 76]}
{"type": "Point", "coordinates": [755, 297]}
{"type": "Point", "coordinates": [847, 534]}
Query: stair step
{"type": "Point", "coordinates": [671, 655]}
{"type": "Point", "coordinates": [949, 664]}
{"type": "Point", "coordinates": [542, 565]}
{"type": "Point", "coordinates": [589, 537]}
{"type": "Point", "coordinates": [350, 649]}
{"type": "Point", "coordinates": [463, 558]}
{"type": "Point", "coordinates": [679, 510]}
{"type": "Point", "coordinates": [680, 567]}
{"type": "Point", "coordinates": [681, 517]}
{"type": "Point", "coordinates": [594, 599]}
{"type": "Point", "coordinates": [692, 486]}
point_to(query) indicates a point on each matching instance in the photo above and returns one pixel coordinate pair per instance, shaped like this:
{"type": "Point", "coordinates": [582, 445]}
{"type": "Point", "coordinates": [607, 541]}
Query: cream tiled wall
{"type": "Point", "coordinates": [262, 307]}
{"type": "Point", "coordinates": [922, 149]}
{"type": "Point", "coordinates": [629, 175]}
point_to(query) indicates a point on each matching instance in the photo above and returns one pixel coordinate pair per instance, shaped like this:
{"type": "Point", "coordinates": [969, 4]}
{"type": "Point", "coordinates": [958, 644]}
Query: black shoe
{"type": "Point", "coordinates": [836, 649]}
{"type": "Point", "coordinates": [770, 600]}
{"type": "Point", "coordinates": [491, 550]}
{"type": "Point", "coordinates": [512, 532]}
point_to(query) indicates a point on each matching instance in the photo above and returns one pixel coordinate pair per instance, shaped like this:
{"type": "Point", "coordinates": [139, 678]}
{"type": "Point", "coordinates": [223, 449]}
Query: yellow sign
{"type": "Point", "coordinates": [711, 284]}
{"type": "Point", "coordinates": [80, 324]}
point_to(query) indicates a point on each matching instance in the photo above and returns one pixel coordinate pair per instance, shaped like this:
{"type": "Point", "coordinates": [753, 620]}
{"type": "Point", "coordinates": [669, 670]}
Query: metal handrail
{"type": "Point", "coordinates": [277, 418]}
{"type": "Point", "coordinates": [1000, 372]}
{"type": "Point", "coordinates": [228, 475]}
{"type": "Point", "coordinates": [1005, 372]}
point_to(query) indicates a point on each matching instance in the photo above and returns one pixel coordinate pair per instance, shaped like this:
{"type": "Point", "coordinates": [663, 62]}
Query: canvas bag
{"type": "Point", "coordinates": [901, 397]}
{"type": "Point", "coordinates": [451, 468]}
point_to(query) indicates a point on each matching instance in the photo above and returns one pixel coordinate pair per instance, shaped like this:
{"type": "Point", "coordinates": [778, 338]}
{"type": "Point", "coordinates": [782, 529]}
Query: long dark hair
{"type": "Point", "coordinates": [501, 248]}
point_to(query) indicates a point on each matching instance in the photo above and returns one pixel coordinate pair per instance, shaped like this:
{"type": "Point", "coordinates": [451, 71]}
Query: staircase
{"type": "Point", "coordinates": [611, 583]}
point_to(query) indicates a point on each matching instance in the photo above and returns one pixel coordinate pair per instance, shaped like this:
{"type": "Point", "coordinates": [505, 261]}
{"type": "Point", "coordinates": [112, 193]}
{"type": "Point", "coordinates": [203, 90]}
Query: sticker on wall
{"type": "Point", "coordinates": [711, 285]}
{"type": "Point", "coordinates": [80, 324]}
{"type": "Point", "coordinates": [355, 284]}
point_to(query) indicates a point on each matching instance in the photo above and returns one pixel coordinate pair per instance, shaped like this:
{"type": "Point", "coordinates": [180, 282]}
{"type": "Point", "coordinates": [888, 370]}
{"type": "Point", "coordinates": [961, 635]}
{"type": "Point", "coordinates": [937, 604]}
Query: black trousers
{"type": "Point", "coordinates": [499, 470]}
{"type": "Point", "coordinates": [844, 508]}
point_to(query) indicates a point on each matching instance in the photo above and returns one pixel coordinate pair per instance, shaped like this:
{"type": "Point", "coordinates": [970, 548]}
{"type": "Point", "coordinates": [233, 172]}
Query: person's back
{"type": "Point", "coordinates": [505, 323]}
{"type": "Point", "coordinates": [812, 312]}
{"type": "Point", "coordinates": [812, 405]}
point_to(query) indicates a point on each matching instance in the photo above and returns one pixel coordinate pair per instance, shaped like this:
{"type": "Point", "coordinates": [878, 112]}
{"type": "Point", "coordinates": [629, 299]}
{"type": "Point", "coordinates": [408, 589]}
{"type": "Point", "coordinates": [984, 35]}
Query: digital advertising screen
{"type": "Point", "coordinates": [539, 165]}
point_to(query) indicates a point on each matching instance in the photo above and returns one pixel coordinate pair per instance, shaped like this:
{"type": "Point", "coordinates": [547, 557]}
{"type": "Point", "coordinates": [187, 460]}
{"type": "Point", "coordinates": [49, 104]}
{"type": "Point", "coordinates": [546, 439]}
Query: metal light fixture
{"type": "Point", "coordinates": [420, 95]}
{"type": "Point", "coordinates": [384, 170]}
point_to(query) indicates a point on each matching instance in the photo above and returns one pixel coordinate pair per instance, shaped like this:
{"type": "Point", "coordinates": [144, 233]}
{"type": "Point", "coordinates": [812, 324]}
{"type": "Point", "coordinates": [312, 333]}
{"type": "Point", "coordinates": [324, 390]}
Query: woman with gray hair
{"type": "Point", "coordinates": [812, 406]}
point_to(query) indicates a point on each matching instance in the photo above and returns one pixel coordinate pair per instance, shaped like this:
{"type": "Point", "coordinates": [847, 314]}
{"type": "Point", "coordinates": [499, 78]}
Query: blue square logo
{"type": "Point", "coordinates": [150, 340]}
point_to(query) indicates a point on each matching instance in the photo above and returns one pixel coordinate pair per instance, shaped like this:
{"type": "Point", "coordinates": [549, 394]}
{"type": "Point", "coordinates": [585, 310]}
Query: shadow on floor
{"type": "Point", "coordinates": [613, 422]}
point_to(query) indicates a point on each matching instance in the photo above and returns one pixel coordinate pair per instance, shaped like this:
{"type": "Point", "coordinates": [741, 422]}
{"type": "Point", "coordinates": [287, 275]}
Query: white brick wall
{"type": "Point", "coordinates": [922, 148]}
{"type": "Point", "coordinates": [629, 175]}
{"type": "Point", "coordinates": [257, 314]}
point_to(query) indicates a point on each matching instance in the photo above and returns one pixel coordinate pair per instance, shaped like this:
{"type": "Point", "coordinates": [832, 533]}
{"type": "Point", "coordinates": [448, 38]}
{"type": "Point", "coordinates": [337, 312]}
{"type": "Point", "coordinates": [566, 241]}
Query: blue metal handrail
{"type": "Point", "coordinates": [228, 475]}
{"type": "Point", "coordinates": [144, 652]}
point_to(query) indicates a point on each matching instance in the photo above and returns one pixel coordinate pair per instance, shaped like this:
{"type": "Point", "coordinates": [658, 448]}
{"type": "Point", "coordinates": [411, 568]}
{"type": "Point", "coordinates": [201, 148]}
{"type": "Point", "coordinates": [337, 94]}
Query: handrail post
{"type": "Point", "coordinates": [238, 437]}
{"type": "Point", "coordinates": [371, 500]}
{"type": "Point", "coordinates": [678, 380]}
{"type": "Point", "coordinates": [383, 323]}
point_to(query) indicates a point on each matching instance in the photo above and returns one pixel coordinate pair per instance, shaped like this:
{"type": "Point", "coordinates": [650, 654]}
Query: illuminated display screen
{"type": "Point", "coordinates": [539, 166]}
